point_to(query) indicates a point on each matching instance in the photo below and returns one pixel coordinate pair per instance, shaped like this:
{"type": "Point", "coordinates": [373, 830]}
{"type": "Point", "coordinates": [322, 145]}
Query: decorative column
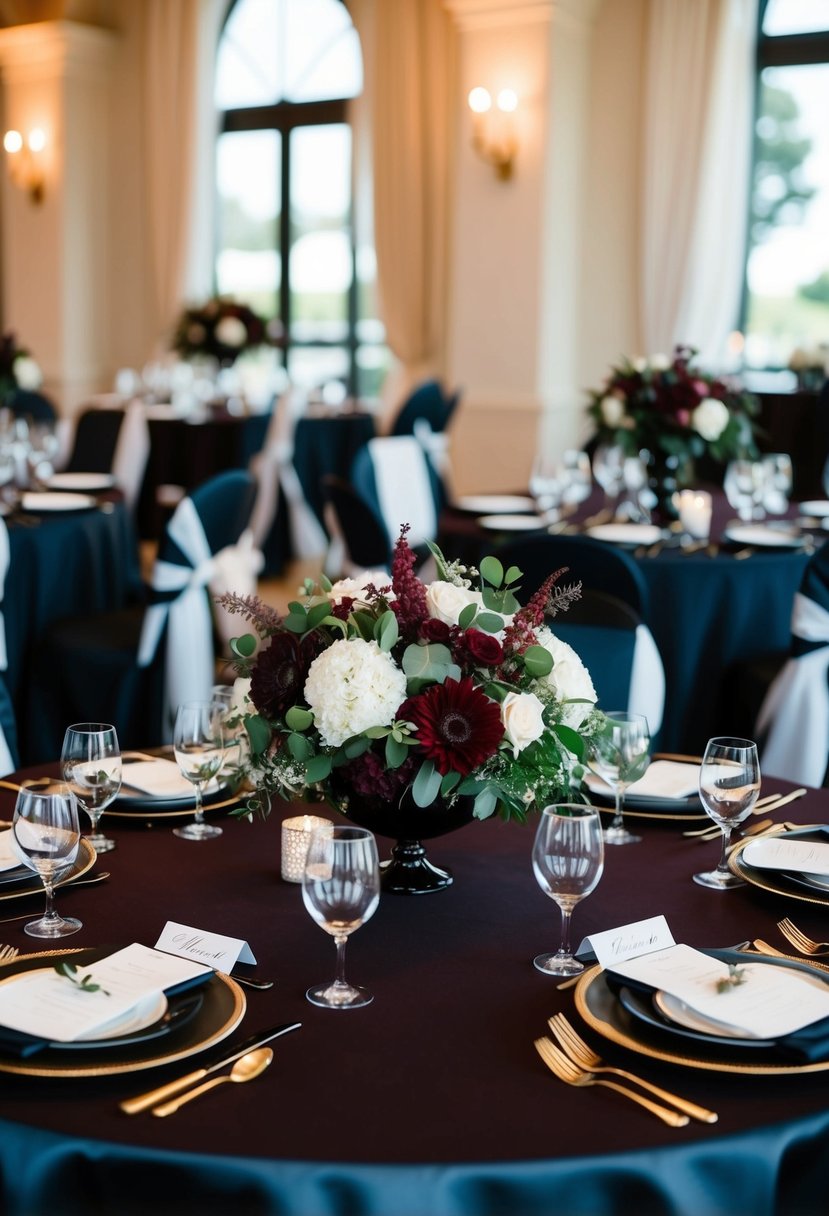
{"type": "Point", "coordinates": [55, 76]}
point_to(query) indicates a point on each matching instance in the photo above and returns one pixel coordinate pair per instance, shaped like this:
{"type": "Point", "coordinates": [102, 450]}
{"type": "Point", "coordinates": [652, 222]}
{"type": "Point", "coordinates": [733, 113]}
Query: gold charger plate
{"type": "Point", "coordinates": [774, 880]}
{"type": "Point", "coordinates": [167, 810]}
{"type": "Point", "coordinates": [34, 886]}
{"type": "Point", "coordinates": [602, 1011]}
{"type": "Point", "coordinates": [221, 1012]}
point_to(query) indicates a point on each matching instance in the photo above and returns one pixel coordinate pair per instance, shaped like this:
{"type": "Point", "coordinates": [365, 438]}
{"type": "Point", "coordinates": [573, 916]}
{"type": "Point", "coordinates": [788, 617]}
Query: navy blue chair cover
{"type": "Point", "coordinates": [8, 726]}
{"type": "Point", "coordinates": [92, 664]}
{"type": "Point", "coordinates": [594, 564]}
{"type": "Point", "coordinates": [362, 533]}
{"type": "Point", "coordinates": [28, 404]}
{"type": "Point", "coordinates": [427, 401]}
{"type": "Point", "coordinates": [602, 631]}
{"type": "Point", "coordinates": [96, 437]}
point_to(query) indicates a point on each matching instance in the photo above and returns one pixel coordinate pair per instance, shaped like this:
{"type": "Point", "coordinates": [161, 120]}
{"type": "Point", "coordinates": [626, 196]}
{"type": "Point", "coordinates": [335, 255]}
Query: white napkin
{"type": "Point", "coordinates": [160, 779]}
{"type": "Point", "coordinates": [663, 779]}
{"type": "Point", "coordinates": [802, 856]}
{"type": "Point", "coordinates": [8, 858]}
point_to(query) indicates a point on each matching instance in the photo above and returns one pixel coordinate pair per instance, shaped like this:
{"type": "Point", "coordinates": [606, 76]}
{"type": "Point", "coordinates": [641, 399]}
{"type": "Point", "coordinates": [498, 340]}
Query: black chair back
{"type": "Point", "coordinates": [427, 401]}
{"type": "Point", "coordinates": [598, 567]}
{"type": "Point", "coordinates": [96, 438]}
{"type": "Point", "coordinates": [362, 531]}
{"type": "Point", "coordinates": [26, 403]}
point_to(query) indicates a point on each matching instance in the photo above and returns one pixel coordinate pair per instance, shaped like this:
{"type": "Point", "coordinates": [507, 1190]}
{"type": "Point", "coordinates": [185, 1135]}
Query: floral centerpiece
{"type": "Point", "coordinates": [811, 366]}
{"type": "Point", "coordinates": [220, 329]}
{"type": "Point", "coordinates": [370, 694]}
{"type": "Point", "coordinates": [675, 412]}
{"type": "Point", "coordinates": [18, 370]}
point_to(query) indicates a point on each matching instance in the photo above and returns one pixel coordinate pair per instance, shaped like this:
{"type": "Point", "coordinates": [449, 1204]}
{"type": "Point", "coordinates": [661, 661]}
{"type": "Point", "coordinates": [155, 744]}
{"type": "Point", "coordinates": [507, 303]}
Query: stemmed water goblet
{"type": "Point", "coordinates": [233, 727]}
{"type": "Point", "coordinates": [91, 765]}
{"type": "Point", "coordinates": [608, 470]}
{"type": "Point", "coordinates": [547, 485]}
{"type": "Point", "coordinates": [47, 836]}
{"type": "Point", "coordinates": [341, 890]}
{"type": "Point", "coordinates": [729, 786]}
{"type": "Point", "coordinates": [568, 859]}
{"type": "Point", "coordinates": [198, 744]}
{"type": "Point", "coordinates": [618, 754]}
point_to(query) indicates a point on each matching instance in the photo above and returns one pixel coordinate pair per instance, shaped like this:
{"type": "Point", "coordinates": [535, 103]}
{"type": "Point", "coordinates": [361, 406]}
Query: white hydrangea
{"type": "Point", "coordinates": [710, 418]}
{"type": "Point", "coordinates": [612, 409]}
{"type": "Point", "coordinates": [230, 331]}
{"type": "Point", "coordinates": [568, 680]}
{"type": "Point", "coordinates": [352, 686]}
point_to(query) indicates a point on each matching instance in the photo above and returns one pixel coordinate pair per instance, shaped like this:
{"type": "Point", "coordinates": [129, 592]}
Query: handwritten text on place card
{"type": "Point", "coordinates": [629, 941]}
{"type": "Point", "coordinates": [213, 949]}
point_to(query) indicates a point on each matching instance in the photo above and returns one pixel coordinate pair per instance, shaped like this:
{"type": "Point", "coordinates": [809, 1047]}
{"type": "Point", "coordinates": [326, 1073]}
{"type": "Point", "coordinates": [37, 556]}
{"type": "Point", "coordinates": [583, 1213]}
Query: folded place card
{"type": "Point", "coordinates": [159, 778]}
{"type": "Point", "coordinates": [669, 779]}
{"type": "Point", "coordinates": [613, 946]}
{"type": "Point", "coordinates": [214, 949]}
{"type": "Point", "coordinates": [49, 1006]}
{"type": "Point", "coordinates": [802, 856]}
{"type": "Point", "coordinates": [768, 1002]}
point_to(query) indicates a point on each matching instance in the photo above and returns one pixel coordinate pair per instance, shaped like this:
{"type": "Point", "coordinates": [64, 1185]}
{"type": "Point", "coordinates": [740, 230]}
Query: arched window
{"type": "Point", "coordinates": [285, 222]}
{"type": "Point", "coordinates": [787, 296]}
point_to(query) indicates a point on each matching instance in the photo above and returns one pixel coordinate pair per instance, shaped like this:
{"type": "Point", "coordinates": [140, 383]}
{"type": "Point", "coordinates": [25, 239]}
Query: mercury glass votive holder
{"type": "Point", "coordinates": [296, 837]}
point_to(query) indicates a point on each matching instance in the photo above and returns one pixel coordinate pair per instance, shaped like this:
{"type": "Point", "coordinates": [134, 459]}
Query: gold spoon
{"type": "Point", "coordinates": [245, 1069]}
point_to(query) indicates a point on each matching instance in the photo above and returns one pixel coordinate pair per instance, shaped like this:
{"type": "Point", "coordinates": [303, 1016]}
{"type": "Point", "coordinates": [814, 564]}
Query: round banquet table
{"type": "Point", "coordinates": [432, 1101]}
{"type": "Point", "coordinates": [709, 611]}
{"type": "Point", "coordinates": [61, 564]}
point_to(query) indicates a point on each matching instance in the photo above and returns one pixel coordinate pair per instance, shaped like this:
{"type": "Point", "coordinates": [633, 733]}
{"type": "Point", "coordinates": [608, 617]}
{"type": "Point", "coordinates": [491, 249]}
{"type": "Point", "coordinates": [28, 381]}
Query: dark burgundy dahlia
{"type": "Point", "coordinates": [458, 726]}
{"type": "Point", "coordinates": [280, 672]}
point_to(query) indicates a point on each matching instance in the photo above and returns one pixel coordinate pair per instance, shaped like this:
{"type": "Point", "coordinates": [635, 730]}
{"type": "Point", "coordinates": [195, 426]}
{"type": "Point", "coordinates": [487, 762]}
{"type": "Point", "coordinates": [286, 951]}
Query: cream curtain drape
{"type": "Point", "coordinates": [179, 39]}
{"type": "Point", "coordinates": [696, 163]}
{"type": "Point", "coordinates": [409, 58]}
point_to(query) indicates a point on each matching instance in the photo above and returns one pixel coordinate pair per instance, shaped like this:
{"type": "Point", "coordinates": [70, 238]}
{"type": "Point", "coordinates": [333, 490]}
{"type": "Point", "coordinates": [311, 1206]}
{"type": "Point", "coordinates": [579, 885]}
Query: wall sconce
{"type": "Point", "coordinates": [493, 133]}
{"type": "Point", "coordinates": [24, 159]}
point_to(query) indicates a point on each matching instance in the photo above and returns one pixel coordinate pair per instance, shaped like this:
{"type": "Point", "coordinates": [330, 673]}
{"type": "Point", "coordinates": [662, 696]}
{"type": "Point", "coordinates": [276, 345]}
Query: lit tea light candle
{"type": "Point", "coordinates": [695, 513]}
{"type": "Point", "coordinates": [296, 838]}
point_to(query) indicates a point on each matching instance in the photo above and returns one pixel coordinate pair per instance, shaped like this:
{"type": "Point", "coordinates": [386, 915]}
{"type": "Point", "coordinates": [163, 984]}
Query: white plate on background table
{"type": "Point", "coordinates": [627, 534]}
{"type": "Point", "coordinates": [55, 501]}
{"type": "Point", "coordinates": [763, 536]}
{"type": "Point", "coordinates": [503, 504]}
{"type": "Point", "coordinates": [816, 506]}
{"type": "Point", "coordinates": [83, 483]}
{"type": "Point", "coordinates": [512, 523]}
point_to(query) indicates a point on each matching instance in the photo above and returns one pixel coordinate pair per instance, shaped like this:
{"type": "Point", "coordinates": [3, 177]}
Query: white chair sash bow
{"type": "Point", "coordinates": [404, 487]}
{"type": "Point", "coordinates": [273, 467]}
{"type": "Point", "coordinates": [185, 610]}
{"type": "Point", "coordinates": [794, 716]}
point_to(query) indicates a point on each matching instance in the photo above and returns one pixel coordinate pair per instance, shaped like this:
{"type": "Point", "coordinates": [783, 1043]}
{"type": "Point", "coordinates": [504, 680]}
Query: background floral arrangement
{"type": "Point", "coordinates": [221, 328]}
{"type": "Point", "coordinates": [671, 409]}
{"type": "Point", "coordinates": [367, 689]}
{"type": "Point", "coordinates": [18, 370]}
{"type": "Point", "coordinates": [811, 365]}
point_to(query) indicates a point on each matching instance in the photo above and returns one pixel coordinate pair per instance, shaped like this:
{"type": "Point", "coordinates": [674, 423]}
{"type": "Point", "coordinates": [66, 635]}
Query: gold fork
{"type": "Point", "coordinates": [581, 1054]}
{"type": "Point", "coordinates": [571, 1074]}
{"type": "Point", "coordinates": [799, 939]}
{"type": "Point", "coordinates": [7, 953]}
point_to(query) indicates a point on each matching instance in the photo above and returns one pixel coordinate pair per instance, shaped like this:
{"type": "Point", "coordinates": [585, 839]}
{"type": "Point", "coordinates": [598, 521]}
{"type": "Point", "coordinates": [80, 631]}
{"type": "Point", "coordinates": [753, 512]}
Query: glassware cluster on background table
{"type": "Point", "coordinates": [450, 1110]}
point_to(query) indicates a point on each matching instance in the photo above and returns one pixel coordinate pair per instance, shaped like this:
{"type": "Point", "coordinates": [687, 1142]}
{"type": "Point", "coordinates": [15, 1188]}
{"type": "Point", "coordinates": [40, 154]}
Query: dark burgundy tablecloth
{"type": "Point", "coordinates": [434, 1093]}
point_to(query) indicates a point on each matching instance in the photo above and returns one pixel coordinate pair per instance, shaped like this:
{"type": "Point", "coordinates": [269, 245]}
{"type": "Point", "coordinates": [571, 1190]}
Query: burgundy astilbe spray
{"type": "Point", "coordinates": [410, 603]}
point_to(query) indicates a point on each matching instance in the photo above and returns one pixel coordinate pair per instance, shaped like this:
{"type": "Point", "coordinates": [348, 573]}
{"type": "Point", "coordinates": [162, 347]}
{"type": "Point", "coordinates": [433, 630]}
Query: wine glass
{"type": "Point", "coordinates": [729, 786]}
{"type": "Point", "coordinates": [91, 765]}
{"type": "Point", "coordinates": [198, 743]}
{"type": "Point", "coordinates": [341, 890]}
{"type": "Point", "coordinates": [568, 859]}
{"type": "Point", "coordinates": [548, 482]}
{"type": "Point", "coordinates": [778, 482]}
{"type": "Point", "coordinates": [608, 470]}
{"type": "Point", "coordinates": [232, 726]}
{"type": "Point", "coordinates": [579, 478]}
{"type": "Point", "coordinates": [47, 835]}
{"type": "Point", "coordinates": [619, 755]}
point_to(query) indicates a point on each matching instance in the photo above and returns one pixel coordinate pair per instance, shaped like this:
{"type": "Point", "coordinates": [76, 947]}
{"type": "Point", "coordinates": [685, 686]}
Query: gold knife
{"type": "Point", "coordinates": [133, 1106]}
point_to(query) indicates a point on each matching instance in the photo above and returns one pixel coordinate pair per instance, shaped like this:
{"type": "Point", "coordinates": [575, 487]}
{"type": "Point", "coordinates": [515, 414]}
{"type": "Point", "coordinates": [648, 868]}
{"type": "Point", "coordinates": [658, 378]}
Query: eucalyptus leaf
{"type": "Point", "coordinates": [386, 631]}
{"type": "Point", "coordinates": [356, 746]}
{"type": "Point", "coordinates": [318, 613]}
{"type": "Point", "coordinates": [298, 718]}
{"type": "Point", "coordinates": [396, 752]}
{"type": "Point", "coordinates": [448, 783]}
{"type": "Point", "coordinates": [426, 785]}
{"type": "Point", "coordinates": [431, 663]}
{"type": "Point", "coordinates": [296, 623]}
{"type": "Point", "coordinates": [485, 803]}
{"type": "Point", "coordinates": [492, 571]}
{"type": "Point", "coordinates": [259, 733]}
{"type": "Point", "coordinates": [467, 615]}
{"type": "Point", "coordinates": [489, 622]}
{"type": "Point", "coordinates": [571, 739]}
{"type": "Point", "coordinates": [317, 769]}
{"type": "Point", "coordinates": [243, 647]}
{"type": "Point", "coordinates": [513, 574]}
{"type": "Point", "coordinates": [538, 661]}
{"type": "Point", "coordinates": [325, 583]}
{"type": "Point", "coordinates": [299, 747]}
{"type": "Point", "coordinates": [364, 623]}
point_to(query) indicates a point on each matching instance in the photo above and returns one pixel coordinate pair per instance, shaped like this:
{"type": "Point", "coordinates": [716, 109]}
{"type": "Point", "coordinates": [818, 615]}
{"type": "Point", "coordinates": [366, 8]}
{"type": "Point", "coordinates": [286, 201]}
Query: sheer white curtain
{"type": "Point", "coordinates": [179, 39]}
{"type": "Point", "coordinates": [409, 61]}
{"type": "Point", "coordinates": [696, 162]}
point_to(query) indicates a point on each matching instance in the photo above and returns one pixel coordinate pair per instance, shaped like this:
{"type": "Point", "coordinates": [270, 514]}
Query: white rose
{"type": "Point", "coordinates": [355, 588]}
{"type": "Point", "coordinates": [27, 373]}
{"type": "Point", "coordinates": [231, 332]}
{"type": "Point", "coordinates": [569, 679]}
{"type": "Point", "coordinates": [612, 410]}
{"type": "Point", "coordinates": [710, 418]}
{"type": "Point", "coordinates": [240, 700]}
{"type": "Point", "coordinates": [521, 715]}
{"type": "Point", "coordinates": [639, 364]}
{"type": "Point", "coordinates": [659, 363]}
{"type": "Point", "coordinates": [445, 602]}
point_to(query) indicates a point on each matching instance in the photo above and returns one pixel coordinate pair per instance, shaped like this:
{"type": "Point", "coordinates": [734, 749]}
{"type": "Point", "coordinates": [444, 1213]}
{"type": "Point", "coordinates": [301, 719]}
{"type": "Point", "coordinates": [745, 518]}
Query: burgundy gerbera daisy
{"type": "Point", "coordinates": [458, 727]}
{"type": "Point", "coordinates": [279, 675]}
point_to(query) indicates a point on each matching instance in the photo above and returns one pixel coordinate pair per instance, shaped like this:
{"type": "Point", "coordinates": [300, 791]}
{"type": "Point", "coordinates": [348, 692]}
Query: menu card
{"type": "Point", "coordinates": [668, 779]}
{"type": "Point", "coordinates": [802, 856]}
{"type": "Point", "coordinates": [48, 1006]}
{"type": "Point", "coordinates": [159, 778]}
{"type": "Point", "coordinates": [771, 1002]}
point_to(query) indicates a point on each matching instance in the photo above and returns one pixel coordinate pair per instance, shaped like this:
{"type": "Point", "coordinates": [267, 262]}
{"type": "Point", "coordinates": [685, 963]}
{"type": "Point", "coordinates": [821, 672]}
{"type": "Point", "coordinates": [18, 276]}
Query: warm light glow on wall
{"type": "Point", "coordinates": [25, 161]}
{"type": "Point", "coordinates": [493, 131]}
